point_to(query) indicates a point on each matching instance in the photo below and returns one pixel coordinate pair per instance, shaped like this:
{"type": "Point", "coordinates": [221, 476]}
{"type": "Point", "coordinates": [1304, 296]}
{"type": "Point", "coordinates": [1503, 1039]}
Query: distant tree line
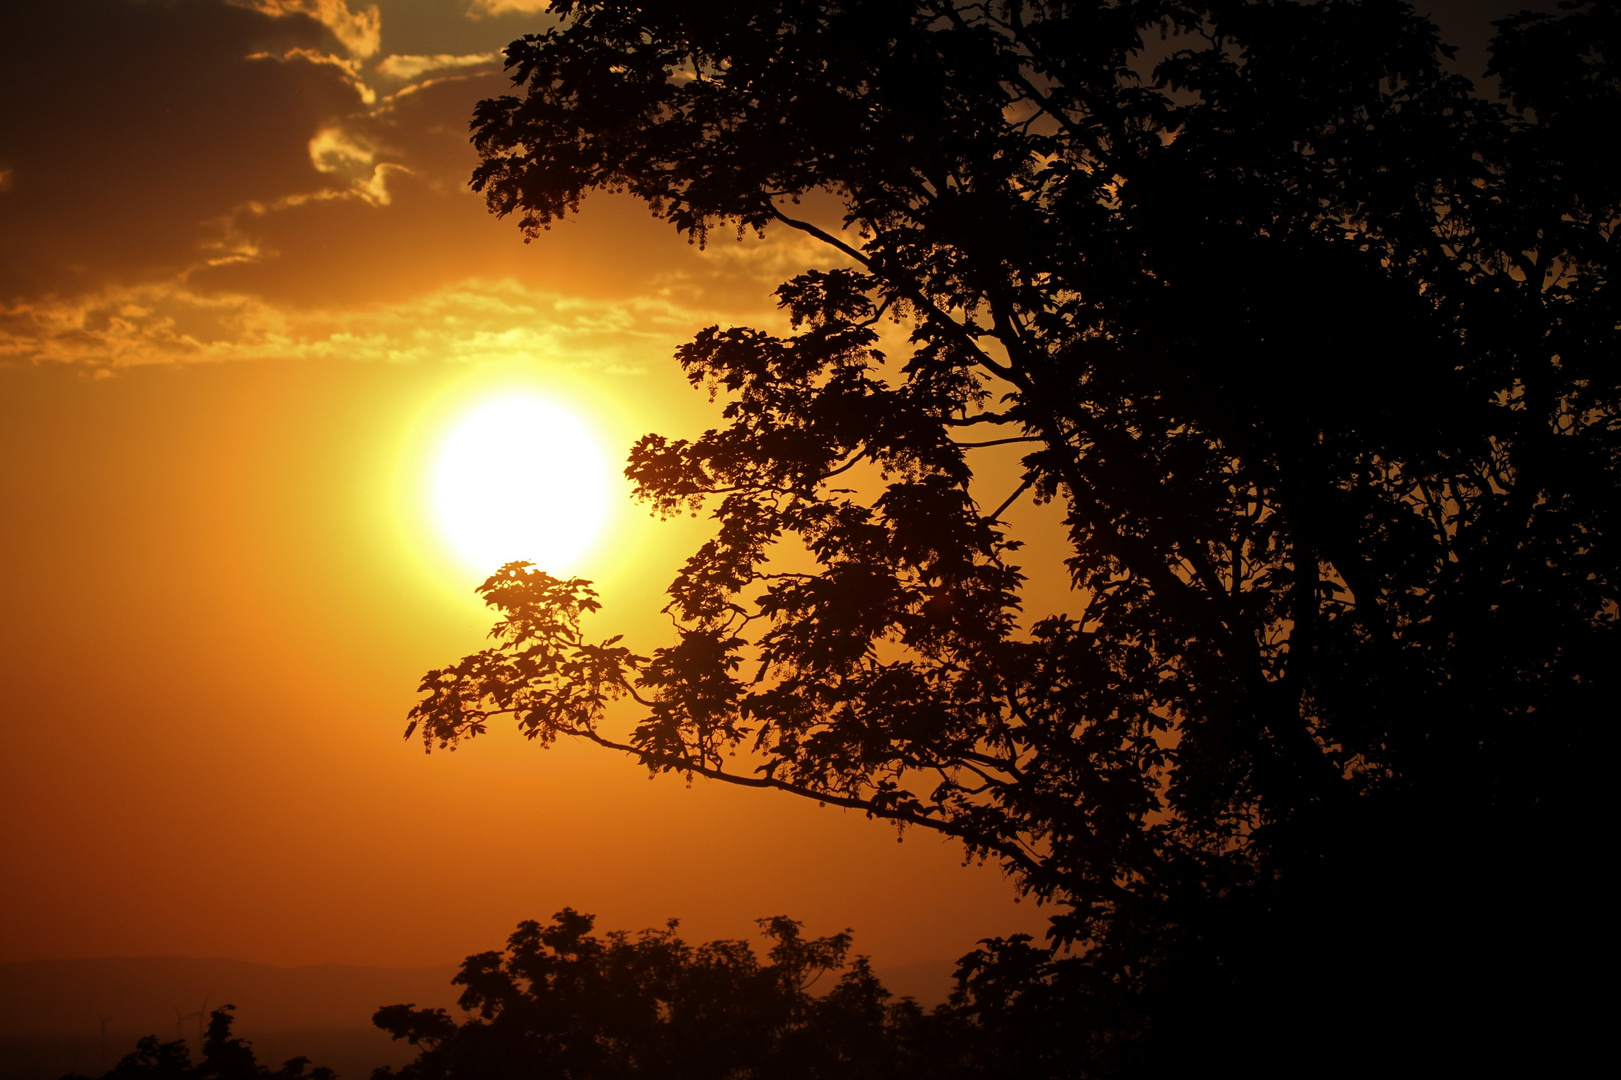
{"type": "Point", "coordinates": [562, 1001]}
{"type": "Point", "coordinates": [224, 1057]}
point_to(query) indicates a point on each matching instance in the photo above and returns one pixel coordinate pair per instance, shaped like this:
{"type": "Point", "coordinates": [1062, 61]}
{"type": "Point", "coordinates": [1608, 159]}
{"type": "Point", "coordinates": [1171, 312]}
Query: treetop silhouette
{"type": "Point", "coordinates": [561, 1000]}
{"type": "Point", "coordinates": [1312, 344]}
{"type": "Point", "coordinates": [224, 1057]}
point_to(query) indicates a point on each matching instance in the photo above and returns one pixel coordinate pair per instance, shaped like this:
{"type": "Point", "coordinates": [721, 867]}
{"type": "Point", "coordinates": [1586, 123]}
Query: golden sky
{"type": "Point", "coordinates": [244, 291]}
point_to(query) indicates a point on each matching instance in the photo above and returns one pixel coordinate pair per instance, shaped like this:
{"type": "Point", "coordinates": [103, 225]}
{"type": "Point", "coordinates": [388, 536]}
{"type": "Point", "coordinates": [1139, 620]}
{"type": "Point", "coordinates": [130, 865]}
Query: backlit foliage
{"type": "Point", "coordinates": [1313, 345]}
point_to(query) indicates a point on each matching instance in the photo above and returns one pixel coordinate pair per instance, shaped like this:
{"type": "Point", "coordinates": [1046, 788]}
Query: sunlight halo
{"type": "Point", "coordinates": [520, 476]}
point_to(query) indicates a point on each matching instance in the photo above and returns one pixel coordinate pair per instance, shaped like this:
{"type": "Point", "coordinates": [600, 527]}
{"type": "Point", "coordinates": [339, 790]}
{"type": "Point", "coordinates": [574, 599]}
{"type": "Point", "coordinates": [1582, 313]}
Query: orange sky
{"type": "Point", "coordinates": [243, 286]}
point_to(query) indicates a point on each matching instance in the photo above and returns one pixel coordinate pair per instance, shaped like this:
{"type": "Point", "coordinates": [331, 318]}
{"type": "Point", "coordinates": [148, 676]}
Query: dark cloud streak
{"type": "Point", "coordinates": [131, 130]}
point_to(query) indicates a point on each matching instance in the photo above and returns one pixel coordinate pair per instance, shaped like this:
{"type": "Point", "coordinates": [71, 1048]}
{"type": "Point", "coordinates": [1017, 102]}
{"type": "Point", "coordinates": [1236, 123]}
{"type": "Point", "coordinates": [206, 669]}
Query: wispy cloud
{"type": "Point", "coordinates": [508, 7]}
{"type": "Point", "coordinates": [340, 153]}
{"type": "Point", "coordinates": [474, 321]}
{"type": "Point", "coordinates": [360, 32]}
{"type": "Point", "coordinates": [351, 69]}
{"type": "Point", "coordinates": [407, 68]}
{"type": "Point", "coordinates": [262, 210]}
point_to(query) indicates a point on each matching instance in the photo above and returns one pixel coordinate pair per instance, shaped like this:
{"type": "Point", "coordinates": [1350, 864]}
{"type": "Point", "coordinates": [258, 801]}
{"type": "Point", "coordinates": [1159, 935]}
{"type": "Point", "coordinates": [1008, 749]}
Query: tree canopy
{"type": "Point", "coordinates": [563, 1001]}
{"type": "Point", "coordinates": [1311, 343]}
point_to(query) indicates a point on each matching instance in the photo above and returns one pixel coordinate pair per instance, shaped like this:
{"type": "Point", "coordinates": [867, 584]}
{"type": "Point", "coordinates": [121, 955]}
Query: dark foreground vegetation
{"type": "Point", "coordinates": [1313, 344]}
{"type": "Point", "coordinates": [562, 1001]}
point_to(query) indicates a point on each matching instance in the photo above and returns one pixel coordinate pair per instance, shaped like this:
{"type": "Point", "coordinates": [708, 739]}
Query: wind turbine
{"type": "Point", "coordinates": [202, 1019]}
{"type": "Point", "coordinates": [201, 1014]}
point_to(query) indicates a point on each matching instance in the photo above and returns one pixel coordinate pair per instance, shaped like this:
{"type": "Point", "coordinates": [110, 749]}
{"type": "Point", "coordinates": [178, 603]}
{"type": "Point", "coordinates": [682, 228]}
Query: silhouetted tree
{"type": "Point", "coordinates": [561, 1001]}
{"type": "Point", "coordinates": [1313, 346]}
{"type": "Point", "coordinates": [225, 1057]}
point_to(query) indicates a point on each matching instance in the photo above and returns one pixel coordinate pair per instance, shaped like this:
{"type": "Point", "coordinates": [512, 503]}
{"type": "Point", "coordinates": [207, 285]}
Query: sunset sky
{"type": "Point", "coordinates": [245, 293]}
{"type": "Point", "coordinates": [245, 296]}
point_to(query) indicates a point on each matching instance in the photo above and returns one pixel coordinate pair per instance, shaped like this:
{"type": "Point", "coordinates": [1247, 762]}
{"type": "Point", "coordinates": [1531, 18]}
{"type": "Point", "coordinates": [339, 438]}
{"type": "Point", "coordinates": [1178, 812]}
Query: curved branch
{"type": "Point", "coordinates": [1010, 850]}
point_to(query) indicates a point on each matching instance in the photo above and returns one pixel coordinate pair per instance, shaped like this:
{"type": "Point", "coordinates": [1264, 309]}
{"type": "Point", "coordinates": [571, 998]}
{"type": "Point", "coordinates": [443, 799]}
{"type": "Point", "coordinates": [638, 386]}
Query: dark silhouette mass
{"type": "Point", "coordinates": [224, 1057]}
{"type": "Point", "coordinates": [562, 1001]}
{"type": "Point", "coordinates": [1313, 346]}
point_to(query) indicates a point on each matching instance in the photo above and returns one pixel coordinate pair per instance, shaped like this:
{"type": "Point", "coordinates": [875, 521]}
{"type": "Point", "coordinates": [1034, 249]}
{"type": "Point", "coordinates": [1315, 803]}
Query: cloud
{"type": "Point", "coordinates": [132, 129]}
{"type": "Point", "coordinates": [351, 70]}
{"type": "Point", "coordinates": [410, 68]}
{"type": "Point", "coordinates": [337, 152]}
{"type": "Point", "coordinates": [508, 7]}
{"type": "Point", "coordinates": [348, 246]}
{"type": "Point", "coordinates": [475, 321]}
{"type": "Point", "coordinates": [360, 32]}
{"type": "Point", "coordinates": [236, 196]}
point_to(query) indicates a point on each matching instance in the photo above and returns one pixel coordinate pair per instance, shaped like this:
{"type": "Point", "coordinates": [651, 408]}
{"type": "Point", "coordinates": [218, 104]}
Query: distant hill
{"type": "Point", "coordinates": [928, 981]}
{"type": "Point", "coordinates": [51, 1010]}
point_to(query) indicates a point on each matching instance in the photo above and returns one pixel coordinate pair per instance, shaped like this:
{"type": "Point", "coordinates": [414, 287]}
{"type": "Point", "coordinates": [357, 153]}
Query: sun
{"type": "Point", "coordinates": [520, 477]}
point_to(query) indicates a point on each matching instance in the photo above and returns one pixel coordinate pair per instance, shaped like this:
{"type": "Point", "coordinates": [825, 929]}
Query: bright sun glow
{"type": "Point", "coordinates": [520, 477]}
